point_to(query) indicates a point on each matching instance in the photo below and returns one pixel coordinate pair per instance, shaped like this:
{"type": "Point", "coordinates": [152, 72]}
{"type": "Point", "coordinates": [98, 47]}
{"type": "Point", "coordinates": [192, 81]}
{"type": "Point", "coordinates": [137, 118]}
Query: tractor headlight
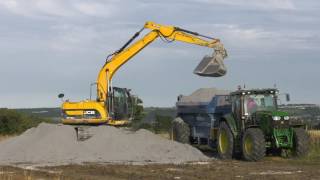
{"type": "Point", "coordinates": [286, 118]}
{"type": "Point", "coordinates": [276, 118]}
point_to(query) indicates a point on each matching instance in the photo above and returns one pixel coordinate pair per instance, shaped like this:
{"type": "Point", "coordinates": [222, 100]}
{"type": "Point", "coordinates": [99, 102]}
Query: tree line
{"type": "Point", "coordinates": [14, 122]}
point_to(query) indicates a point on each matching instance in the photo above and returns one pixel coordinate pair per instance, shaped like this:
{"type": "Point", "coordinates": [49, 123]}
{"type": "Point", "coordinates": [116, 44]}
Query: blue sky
{"type": "Point", "coordinates": [53, 46]}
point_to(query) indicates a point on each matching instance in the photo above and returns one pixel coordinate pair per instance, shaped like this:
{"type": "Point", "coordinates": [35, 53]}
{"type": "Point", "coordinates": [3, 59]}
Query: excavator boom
{"type": "Point", "coordinates": [102, 110]}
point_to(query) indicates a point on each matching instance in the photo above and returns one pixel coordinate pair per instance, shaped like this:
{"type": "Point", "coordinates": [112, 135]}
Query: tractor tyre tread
{"type": "Point", "coordinates": [259, 145]}
{"type": "Point", "coordinates": [301, 142]}
{"type": "Point", "coordinates": [230, 149]}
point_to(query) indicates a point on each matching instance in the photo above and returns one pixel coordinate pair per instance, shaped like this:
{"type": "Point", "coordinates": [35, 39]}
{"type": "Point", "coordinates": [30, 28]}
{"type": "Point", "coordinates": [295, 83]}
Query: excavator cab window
{"type": "Point", "coordinates": [121, 104]}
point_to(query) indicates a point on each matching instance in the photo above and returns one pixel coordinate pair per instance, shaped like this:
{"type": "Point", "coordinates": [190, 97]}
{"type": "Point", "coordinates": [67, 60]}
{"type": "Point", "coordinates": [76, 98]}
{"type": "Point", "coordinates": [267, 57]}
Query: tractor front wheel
{"type": "Point", "coordinates": [253, 144]}
{"type": "Point", "coordinates": [300, 142]}
{"type": "Point", "coordinates": [225, 141]}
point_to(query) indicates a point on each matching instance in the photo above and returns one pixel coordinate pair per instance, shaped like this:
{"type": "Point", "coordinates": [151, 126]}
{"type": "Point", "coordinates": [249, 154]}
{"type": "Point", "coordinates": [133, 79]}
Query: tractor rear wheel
{"type": "Point", "coordinates": [225, 142]}
{"type": "Point", "coordinates": [180, 131]}
{"type": "Point", "coordinates": [300, 142]}
{"type": "Point", "coordinates": [253, 144]}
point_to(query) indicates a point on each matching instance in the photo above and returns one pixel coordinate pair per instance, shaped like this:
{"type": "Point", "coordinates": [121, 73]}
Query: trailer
{"type": "Point", "coordinates": [198, 115]}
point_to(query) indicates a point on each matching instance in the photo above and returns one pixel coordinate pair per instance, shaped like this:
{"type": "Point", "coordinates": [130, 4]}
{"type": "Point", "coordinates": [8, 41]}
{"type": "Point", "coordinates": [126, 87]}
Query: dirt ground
{"type": "Point", "coordinates": [269, 168]}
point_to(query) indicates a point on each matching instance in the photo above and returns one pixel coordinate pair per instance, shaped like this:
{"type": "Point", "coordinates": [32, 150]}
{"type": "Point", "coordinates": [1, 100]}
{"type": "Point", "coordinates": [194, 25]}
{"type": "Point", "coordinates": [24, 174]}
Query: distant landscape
{"type": "Point", "coordinates": [307, 113]}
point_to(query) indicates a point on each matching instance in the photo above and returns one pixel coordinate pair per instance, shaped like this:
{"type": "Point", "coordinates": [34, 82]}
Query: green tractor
{"type": "Point", "coordinates": [244, 122]}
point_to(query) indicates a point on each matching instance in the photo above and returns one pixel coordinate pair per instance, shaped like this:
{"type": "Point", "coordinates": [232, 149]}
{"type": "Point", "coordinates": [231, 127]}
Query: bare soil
{"type": "Point", "coordinates": [269, 168]}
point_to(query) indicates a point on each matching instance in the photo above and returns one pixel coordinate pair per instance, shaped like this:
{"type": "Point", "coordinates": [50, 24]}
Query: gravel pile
{"type": "Point", "coordinates": [50, 144]}
{"type": "Point", "coordinates": [201, 96]}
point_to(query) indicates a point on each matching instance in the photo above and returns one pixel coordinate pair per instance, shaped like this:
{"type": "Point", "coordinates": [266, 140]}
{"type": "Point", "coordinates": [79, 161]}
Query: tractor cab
{"type": "Point", "coordinates": [246, 103]}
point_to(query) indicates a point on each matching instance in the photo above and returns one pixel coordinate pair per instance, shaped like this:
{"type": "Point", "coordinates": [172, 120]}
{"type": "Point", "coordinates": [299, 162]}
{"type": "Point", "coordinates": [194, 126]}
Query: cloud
{"type": "Point", "coordinates": [9, 4]}
{"type": "Point", "coordinates": [36, 8]}
{"type": "Point", "coordinates": [90, 37]}
{"type": "Point", "coordinates": [59, 8]}
{"type": "Point", "coordinates": [64, 42]}
{"type": "Point", "coordinates": [262, 4]}
{"type": "Point", "coordinates": [245, 34]}
{"type": "Point", "coordinates": [258, 37]}
{"type": "Point", "coordinates": [70, 37]}
{"type": "Point", "coordinates": [96, 9]}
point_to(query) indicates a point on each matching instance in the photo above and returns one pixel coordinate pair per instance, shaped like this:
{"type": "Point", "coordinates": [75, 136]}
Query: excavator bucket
{"type": "Point", "coordinates": [212, 66]}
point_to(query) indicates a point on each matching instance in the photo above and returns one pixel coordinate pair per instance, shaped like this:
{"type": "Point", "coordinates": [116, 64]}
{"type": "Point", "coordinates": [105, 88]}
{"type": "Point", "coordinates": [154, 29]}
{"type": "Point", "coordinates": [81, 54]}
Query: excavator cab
{"type": "Point", "coordinates": [120, 104]}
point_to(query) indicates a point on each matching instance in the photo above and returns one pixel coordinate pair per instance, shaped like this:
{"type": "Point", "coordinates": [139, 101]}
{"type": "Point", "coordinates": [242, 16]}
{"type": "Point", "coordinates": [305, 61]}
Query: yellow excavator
{"type": "Point", "coordinates": [113, 105]}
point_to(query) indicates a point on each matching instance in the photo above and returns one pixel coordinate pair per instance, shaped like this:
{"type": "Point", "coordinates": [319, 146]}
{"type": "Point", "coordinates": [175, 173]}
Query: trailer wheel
{"type": "Point", "coordinates": [225, 141]}
{"type": "Point", "coordinates": [181, 131]}
{"type": "Point", "coordinates": [300, 142]}
{"type": "Point", "coordinates": [253, 144]}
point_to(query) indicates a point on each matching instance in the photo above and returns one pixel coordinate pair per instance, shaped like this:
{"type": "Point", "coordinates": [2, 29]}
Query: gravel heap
{"type": "Point", "coordinates": [201, 96]}
{"type": "Point", "coordinates": [50, 144]}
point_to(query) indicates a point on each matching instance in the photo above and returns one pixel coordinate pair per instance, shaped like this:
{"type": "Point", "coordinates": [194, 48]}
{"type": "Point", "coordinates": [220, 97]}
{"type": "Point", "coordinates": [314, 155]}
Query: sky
{"type": "Point", "coordinates": [52, 46]}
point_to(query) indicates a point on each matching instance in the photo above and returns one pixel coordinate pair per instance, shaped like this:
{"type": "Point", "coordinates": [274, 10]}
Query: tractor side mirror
{"type": "Point", "coordinates": [287, 97]}
{"type": "Point", "coordinates": [61, 95]}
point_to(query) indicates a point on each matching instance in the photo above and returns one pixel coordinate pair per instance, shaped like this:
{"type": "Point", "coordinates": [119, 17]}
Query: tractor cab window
{"type": "Point", "coordinates": [236, 106]}
{"type": "Point", "coordinates": [259, 102]}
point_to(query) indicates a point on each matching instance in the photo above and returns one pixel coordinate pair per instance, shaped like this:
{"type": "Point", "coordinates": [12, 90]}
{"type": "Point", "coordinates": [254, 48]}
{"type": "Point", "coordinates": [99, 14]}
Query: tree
{"type": "Point", "coordinates": [138, 113]}
{"type": "Point", "coordinates": [163, 123]}
{"type": "Point", "coordinates": [13, 122]}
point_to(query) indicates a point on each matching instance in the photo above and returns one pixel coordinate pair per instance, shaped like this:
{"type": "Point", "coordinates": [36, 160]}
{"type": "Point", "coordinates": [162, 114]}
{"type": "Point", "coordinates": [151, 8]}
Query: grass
{"type": "Point", "coordinates": [314, 136]}
{"type": "Point", "coordinates": [314, 154]}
